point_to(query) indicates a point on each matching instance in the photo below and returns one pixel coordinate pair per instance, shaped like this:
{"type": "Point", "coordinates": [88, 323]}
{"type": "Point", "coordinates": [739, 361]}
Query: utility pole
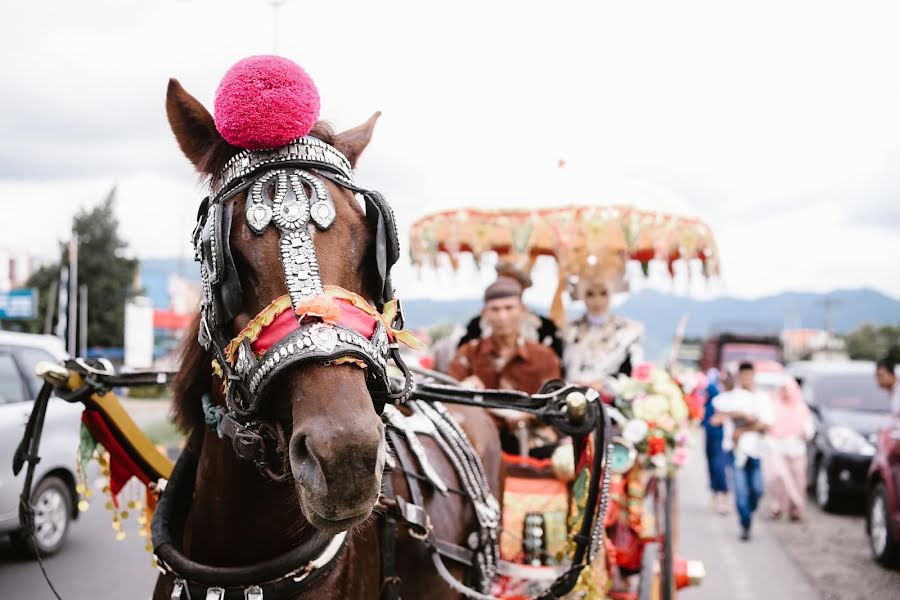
{"type": "Point", "coordinates": [82, 319]}
{"type": "Point", "coordinates": [829, 303]}
{"type": "Point", "coordinates": [275, 4]}
{"type": "Point", "coordinates": [63, 300]}
{"type": "Point", "coordinates": [71, 348]}
{"type": "Point", "coordinates": [51, 303]}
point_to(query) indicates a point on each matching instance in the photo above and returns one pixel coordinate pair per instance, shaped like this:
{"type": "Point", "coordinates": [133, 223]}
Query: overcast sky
{"type": "Point", "coordinates": [778, 123]}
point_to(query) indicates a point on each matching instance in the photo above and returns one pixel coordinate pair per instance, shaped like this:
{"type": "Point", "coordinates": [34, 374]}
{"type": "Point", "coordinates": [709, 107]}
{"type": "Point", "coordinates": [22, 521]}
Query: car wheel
{"type": "Point", "coordinates": [822, 488]}
{"type": "Point", "coordinates": [884, 549]}
{"type": "Point", "coordinates": [52, 502]}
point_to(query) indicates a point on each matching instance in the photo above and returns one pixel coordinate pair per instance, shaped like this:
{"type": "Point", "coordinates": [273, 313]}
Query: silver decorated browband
{"type": "Point", "coordinates": [291, 197]}
{"type": "Point", "coordinates": [306, 149]}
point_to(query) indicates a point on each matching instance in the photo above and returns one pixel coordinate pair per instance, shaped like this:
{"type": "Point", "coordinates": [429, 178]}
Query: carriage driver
{"type": "Point", "coordinates": [505, 360]}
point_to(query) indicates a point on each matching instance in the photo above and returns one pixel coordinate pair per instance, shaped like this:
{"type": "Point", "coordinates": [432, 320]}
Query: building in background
{"type": "Point", "coordinates": [16, 266]}
{"type": "Point", "coordinates": [812, 344]}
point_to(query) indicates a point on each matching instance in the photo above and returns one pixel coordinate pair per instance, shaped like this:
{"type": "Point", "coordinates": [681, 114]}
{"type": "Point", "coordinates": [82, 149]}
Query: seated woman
{"type": "Point", "coordinates": [600, 343]}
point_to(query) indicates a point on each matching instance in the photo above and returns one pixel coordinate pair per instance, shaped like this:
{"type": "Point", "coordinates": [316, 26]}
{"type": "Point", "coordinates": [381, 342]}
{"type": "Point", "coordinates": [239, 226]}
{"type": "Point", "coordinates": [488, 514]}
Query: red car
{"type": "Point", "coordinates": [883, 496]}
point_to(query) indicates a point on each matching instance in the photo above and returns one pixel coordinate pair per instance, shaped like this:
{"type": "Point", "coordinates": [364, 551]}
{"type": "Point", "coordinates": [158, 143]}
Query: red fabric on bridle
{"type": "Point", "coordinates": [286, 323]}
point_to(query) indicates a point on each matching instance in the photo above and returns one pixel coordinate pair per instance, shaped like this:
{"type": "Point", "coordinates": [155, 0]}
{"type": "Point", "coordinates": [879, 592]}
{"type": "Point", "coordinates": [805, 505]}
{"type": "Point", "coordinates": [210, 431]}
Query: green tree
{"type": "Point", "coordinates": [109, 276]}
{"type": "Point", "coordinates": [872, 342]}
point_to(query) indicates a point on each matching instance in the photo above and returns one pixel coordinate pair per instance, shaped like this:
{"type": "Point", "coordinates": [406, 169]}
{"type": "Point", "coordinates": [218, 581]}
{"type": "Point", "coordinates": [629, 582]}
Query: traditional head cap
{"type": "Point", "coordinates": [504, 287]}
{"type": "Point", "coordinates": [265, 102]}
{"type": "Point", "coordinates": [508, 268]}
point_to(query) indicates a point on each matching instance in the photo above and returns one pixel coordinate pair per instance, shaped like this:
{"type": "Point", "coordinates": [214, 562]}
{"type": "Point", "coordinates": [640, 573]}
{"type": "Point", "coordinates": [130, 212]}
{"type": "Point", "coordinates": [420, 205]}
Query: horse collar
{"type": "Point", "coordinates": [284, 576]}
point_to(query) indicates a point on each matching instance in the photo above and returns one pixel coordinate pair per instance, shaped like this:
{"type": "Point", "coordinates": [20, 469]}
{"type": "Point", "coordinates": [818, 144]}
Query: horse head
{"type": "Point", "coordinates": [336, 446]}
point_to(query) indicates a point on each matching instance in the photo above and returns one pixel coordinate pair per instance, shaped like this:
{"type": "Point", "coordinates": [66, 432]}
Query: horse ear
{"type": "Point", "coordinates": [353, 141]}
{"type": "Point", "coordinates": [193, 126]}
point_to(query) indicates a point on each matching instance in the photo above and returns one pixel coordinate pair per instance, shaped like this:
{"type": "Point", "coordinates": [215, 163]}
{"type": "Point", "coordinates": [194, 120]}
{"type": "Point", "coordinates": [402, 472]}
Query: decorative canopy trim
{"type": "Point", "coordinates": [581, 238]}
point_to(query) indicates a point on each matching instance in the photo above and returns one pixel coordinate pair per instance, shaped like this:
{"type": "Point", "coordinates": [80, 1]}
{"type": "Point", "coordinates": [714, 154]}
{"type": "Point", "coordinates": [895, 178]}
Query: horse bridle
{"type": "Point", "coordinates": [285, 187]}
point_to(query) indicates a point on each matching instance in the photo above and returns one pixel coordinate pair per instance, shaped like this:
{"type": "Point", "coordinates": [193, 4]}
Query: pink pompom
{"type": "Point", "coordinates": [265, 102]}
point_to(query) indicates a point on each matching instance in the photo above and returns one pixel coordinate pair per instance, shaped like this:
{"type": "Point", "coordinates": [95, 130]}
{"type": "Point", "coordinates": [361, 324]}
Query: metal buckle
{"type": "Point", "coordinates": [215, 593]}
{"type": "Point", "coordinates": [417, 520]}
{"type": "Point", "coordinates": [254, 592]}
{"type": "Point", "coordinates": [249, 445]}
{"type": "Point", "coordinates": [177, 590]}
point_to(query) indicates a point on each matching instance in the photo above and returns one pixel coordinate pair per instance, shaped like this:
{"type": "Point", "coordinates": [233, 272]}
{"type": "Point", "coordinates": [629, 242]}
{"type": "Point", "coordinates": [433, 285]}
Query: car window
{"type": "Point", "coordinates": [12, 388]}
{"type": "Point", "coordinates": [850, 391]}
{"type": "Point", "coordinates": [28, 360]}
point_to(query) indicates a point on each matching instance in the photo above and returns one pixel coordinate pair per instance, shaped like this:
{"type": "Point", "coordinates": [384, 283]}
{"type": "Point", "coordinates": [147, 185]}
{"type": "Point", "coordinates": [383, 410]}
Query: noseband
{"type": "Point", "coordinates": [312, 323]}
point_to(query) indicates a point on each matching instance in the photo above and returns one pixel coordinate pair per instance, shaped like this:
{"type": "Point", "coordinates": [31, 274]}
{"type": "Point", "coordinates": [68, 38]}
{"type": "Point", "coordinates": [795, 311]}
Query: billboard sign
{"type": "Point", "coordinates": [19, 303]}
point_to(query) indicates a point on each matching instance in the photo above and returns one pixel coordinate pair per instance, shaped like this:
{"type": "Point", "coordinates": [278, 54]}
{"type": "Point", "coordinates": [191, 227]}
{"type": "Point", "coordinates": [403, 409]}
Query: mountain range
{"type": "Point", "coordinates": [660, 313]}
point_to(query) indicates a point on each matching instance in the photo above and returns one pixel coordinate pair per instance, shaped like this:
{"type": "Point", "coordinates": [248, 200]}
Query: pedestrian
{"type": "Point", "coordinates": [786, 440]}
{"type": "Point", "coordinates": [886, 376]}
{"type": "Point", "coordinates": [746, 414]}
{"type": "Point", "coordinates": [716, 457]}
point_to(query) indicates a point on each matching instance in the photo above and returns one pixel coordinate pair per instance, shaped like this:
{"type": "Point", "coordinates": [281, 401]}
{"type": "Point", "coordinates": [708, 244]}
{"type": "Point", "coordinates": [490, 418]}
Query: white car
{"type": "Point", "coordinates": [53, 487]}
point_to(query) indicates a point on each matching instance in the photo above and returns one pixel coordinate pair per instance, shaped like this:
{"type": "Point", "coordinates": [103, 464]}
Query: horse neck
{"type": "Point", "coordinates": [238, 517]}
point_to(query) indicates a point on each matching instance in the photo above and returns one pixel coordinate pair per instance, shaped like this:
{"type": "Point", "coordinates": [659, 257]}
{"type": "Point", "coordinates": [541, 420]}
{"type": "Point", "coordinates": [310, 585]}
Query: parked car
{"type": "Point", "coordinates": [848, 409]}
{"type": "Point", "coordinates": [53, 496]}
{"type": "Point", "coordinates": [883, 497]}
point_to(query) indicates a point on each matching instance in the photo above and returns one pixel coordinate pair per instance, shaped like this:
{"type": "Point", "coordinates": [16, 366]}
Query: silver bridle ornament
{"type": "Point", "coordinates": [284, 187]}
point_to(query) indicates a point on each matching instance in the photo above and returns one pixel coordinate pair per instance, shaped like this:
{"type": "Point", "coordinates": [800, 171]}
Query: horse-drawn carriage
{"type": "Point", "coordinates": [316, 464]}
{"type": "Point", "coordinates": [648, 436]}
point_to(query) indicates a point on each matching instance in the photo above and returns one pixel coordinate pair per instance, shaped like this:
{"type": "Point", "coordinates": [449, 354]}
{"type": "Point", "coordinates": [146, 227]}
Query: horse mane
{"type": "Point", "coordinates": [194, 376]}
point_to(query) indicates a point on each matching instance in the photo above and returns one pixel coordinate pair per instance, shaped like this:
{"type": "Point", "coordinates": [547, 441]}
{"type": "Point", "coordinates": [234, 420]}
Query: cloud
{"type": "Point", "coordinates": [776, 122]}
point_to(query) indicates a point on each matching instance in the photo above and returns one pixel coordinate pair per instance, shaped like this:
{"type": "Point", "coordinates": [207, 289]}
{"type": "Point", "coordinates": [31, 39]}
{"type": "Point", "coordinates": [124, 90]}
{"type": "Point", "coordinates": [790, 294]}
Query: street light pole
{"type": "Point", "coordinates": [275, 4]}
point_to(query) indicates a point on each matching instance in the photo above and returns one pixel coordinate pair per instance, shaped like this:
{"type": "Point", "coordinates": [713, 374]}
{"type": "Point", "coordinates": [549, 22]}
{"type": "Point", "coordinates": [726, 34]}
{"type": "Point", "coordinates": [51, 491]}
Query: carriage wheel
{"type": "Point", "coordinates": [649, 583]}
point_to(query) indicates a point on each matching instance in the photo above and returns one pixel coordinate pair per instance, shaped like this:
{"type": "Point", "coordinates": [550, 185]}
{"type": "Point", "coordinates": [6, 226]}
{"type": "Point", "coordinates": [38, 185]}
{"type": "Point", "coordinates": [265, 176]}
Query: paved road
{"type": "Point", "coordinates": [834, 551]}
{"type": "Point", "coordinates": [91, 566]}
{"type": "Point", "coordinates": [756, 570]}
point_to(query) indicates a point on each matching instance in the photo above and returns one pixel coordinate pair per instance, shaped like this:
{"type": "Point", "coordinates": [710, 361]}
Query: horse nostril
{"type": "Point", "coordinates": [299, 450]}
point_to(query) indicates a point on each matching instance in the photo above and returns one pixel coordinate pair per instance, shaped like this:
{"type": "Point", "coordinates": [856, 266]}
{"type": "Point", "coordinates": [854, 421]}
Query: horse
{"type": "Point", "coordinates": [336, 450]}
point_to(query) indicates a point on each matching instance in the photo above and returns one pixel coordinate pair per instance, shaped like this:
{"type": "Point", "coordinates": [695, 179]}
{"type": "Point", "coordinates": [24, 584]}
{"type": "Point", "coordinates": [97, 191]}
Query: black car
{"type": "Point", "coordinates": [848, 409]}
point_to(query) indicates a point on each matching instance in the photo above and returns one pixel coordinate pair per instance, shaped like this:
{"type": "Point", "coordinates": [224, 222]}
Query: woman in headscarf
{"type": "Point", "coordinates": [787, 437]}
{"type": "Point", "coordinates": [600, 343]}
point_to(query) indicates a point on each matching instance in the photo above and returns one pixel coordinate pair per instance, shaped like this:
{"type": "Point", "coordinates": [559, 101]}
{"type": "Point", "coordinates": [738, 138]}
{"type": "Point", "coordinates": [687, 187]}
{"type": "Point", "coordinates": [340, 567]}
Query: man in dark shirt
{"type": "Point", "coordinates": [535, 327]}
{"type": "Point", "coordinates": [504, 360]}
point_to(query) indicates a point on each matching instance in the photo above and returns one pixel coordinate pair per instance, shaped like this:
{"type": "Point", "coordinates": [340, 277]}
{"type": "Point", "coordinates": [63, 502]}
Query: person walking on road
{"type": "Point", "coordinates": [716, 458]}
{"type": "Point", "coordinates": [786, 458]}
{"type": "Point", "coordinates": [746, 414]}
{"type": "Point", "coordinates": [886, 375]}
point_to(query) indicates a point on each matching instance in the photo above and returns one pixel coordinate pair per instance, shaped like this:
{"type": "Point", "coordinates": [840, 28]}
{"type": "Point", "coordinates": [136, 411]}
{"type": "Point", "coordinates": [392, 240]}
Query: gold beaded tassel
{"type": "Point", "coordinates": [103, 461]}
{"type": "Point", "coordinates": [82, 488]}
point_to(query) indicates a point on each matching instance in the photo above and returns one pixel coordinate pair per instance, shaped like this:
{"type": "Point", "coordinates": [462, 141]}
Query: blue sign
{"type": "Point", "coordinates": [19, 304]}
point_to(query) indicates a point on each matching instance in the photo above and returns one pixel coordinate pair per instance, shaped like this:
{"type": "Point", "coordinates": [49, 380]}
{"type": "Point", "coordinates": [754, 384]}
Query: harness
{"type": "Point", "coordinates": [312, 322]}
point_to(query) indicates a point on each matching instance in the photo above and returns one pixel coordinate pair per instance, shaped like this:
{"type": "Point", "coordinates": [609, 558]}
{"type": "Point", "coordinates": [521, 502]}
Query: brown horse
{"type": "Point", "coordinates": [337, 445]}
